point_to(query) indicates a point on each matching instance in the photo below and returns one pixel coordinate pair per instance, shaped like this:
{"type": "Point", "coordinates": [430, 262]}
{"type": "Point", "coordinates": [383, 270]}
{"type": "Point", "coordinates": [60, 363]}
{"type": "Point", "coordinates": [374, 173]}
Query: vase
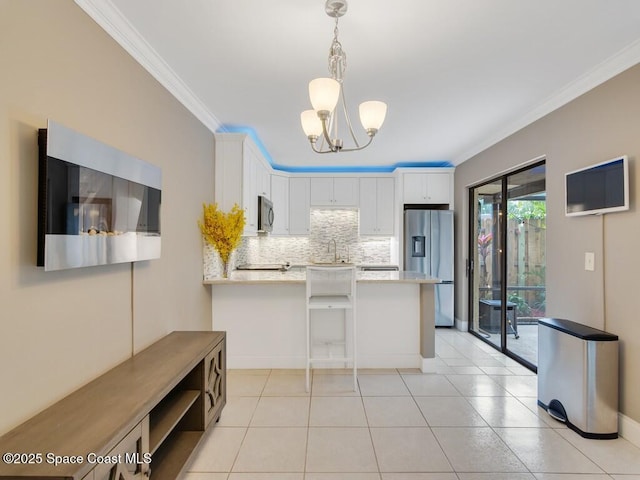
{"type": "Point", "coordinates": [225, 268]}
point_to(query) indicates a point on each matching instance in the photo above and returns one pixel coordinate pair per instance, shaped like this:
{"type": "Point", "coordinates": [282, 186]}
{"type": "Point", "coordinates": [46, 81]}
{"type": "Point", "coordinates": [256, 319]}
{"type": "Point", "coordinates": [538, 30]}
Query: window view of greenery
{"type": "Point", "coordinates": [526, 225]}
{"type": "Point", "coordinates": [526, 273]}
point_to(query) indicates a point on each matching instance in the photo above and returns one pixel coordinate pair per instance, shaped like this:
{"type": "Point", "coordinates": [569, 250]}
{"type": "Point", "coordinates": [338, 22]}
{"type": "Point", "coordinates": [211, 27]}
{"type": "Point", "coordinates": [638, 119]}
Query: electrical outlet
{"type": "Point", "coordinates": [589, 261]}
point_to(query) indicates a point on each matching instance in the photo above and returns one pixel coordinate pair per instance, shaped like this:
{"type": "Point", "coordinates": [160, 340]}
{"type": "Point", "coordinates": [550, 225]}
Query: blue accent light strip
{"type": "Point", "coordinates": [330, 168]}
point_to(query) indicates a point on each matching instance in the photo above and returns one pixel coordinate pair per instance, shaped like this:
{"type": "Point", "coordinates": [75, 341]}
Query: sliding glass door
{"type": "Point", "coordinates": [487, 274]}
{"type": "Point", "coordinates": [507, 261]}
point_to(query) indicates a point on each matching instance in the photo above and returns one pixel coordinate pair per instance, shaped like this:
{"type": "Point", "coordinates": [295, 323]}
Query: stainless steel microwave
{"type": "Point", "coordinates": [265, 214]}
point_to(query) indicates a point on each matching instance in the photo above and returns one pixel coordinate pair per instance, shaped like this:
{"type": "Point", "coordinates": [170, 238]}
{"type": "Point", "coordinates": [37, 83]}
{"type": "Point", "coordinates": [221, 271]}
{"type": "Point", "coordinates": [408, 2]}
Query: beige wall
{"type": "Point", "coordinates": [597, 126]}
{"type": "Point", "coordinates": [60, 329]}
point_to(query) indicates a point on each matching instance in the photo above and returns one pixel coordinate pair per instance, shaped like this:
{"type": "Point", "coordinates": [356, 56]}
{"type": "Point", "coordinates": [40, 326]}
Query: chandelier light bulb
{"type": "Point", "coordinates": [324, 93]}
{"type": "Point", "coordinates": [311, 124]}
{"type": "Point", "coordinates": [372, 114]}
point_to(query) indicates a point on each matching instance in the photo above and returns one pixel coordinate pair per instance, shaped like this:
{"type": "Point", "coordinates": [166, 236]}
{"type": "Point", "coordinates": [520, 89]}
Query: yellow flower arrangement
{"type": "Point", "coordinates": [222, 230]}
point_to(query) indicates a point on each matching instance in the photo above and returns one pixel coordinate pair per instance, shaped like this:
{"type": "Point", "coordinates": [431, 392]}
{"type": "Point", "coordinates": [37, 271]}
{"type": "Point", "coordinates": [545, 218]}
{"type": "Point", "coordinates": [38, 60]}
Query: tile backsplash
{"type": "Point", "coordinates": [326, 225]}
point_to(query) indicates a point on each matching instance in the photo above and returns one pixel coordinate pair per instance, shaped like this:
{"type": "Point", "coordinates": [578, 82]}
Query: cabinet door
{"type": "Point", "coordinates": [414, 188]}
{"type": "Point", "coordinates": [280, 199]}
{"type": "Point", "coordinates": [427, 188]}
{"type": "Point", "coordinates": [377, 206]}
{"type": "Point", "coordinates": [229, 170]}
{"type": "Point", "coordinates": [215, 383]}
{"type": "Point", "coordinates": [345, 192]}
{"type": "Point", "coordinates": [250, 192]}
{"type": "Point", "coordinates": [133, 453]}
{"type": "Point", "coordinates": [438, 187]}
{"type": "Point", "coordinates": [385, 205]}
{"type": "Point", "coordinates": [368, 206]}
{"type": "Point", "coordinates": [263, 180]}
{"type": "Point", "coordinates": [321, 191]}
{"type": "Point", "coordinates": [299, 206]}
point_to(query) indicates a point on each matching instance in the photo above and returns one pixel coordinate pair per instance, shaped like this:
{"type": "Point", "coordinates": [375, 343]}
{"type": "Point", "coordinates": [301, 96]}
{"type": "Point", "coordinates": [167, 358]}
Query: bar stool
{"type": "Point", "coordinates": [331, 288]}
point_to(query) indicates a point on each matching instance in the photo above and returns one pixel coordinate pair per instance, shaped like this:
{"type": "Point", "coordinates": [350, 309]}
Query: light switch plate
{"type": "Point", "coordinates": [589, 261]}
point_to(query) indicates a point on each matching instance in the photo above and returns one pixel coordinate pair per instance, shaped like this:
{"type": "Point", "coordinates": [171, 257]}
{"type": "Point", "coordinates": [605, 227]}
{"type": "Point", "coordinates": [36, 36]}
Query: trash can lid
{"type": "Point", "coordinates": [583, 332]}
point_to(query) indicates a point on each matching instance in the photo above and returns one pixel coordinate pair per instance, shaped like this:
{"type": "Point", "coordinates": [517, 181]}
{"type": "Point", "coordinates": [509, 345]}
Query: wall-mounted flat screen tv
{"type": "Point", "coordinates": [598, 189]}
{"type": "Point", "coordinates": [96, 205]}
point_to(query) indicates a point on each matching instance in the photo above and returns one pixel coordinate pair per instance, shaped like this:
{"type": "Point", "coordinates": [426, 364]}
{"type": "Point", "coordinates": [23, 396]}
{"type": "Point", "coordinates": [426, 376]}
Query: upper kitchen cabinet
{"type": "Point", "coordinates": [428, 188]}
{"type": "Point", "coordinates": [334, 191]}
{"type": "Point", "coordinates": [299, 205]}
{"type": "Point", "coordinates": [241, 174]}
{"type": "Point", "coordinates": [377, 206]}
{"type": "Point", "coordinates": [263, 180]}
{"type": "Point", "coordinates": [280, 199]}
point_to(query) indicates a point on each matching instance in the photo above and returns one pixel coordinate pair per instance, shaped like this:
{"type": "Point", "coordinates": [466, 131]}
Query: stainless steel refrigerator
{"type": "Point", "coordinates": [428, 248]}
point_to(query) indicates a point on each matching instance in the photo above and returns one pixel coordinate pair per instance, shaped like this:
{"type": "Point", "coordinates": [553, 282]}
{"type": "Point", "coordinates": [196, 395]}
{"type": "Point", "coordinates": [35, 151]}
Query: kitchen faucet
{"type": "Point", "coordinates": [335, 249]}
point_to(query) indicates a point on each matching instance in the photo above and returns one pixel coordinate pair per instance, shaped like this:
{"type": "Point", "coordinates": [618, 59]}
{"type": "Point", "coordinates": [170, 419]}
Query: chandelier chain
{"type": "Point", "coordinates": [337, 57]}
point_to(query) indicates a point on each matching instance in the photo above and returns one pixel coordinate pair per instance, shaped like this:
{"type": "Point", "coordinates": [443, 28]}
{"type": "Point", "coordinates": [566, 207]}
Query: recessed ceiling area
{"type": "Point", "coordinates": [457, 75]}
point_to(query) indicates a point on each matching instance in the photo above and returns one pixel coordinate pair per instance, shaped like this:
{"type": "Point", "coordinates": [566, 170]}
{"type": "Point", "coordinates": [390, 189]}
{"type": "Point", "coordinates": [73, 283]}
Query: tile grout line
{"type": "Point", "coordinates": [488, 424]}
{"type": "Point", "coordinates": [306, 447]}
{"type": "Point", "coordinates": [373, 445]}
{"type": "Point", "coordinates": [413, 397]}
{"type": "Point", "coordinates": [246, 432]}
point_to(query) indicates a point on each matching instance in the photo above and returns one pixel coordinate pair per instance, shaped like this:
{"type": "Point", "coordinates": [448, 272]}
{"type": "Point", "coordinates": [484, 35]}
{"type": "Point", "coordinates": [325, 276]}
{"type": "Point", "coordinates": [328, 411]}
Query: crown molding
{"type": "Point", "coordinates": [250, 132]}
{"type": "Point", "coordinates": [618, 63]}
{"type": "Point", "coordinates": [105, 14]}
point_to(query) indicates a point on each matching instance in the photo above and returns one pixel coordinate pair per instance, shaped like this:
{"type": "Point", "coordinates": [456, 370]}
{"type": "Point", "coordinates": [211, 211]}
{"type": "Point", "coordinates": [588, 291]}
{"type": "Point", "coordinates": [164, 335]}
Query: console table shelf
{"type": "Point", "coordinates": [151, 411]}
{"type": "Point", "coordinates": [167, 415]}
{"type": "Point", "coordinates": [175, 455]}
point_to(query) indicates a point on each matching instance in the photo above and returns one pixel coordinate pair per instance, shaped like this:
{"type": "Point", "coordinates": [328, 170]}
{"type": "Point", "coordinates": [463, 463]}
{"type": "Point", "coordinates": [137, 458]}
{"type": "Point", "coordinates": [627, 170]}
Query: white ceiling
{"type": "Point", "coordinates": [458, 75]}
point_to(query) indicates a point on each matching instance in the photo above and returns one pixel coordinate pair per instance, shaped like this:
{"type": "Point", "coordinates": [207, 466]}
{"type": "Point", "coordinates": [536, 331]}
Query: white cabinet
{"type": "Point", "coordinates": [377, 206]}
{"type": "Point", "coordinates": [299, 205]}
{"type": "Point", "coordinates": [321, 191]}
{"type": "Point", "coordinates": [280, 199]}
{"type": "Point", "coordinates": [334, 191]}
{"type": "Point", "coordinates": [427, 188]}
{"type": "Point", "coordinates": [241, 174]}
{"type": "Point", "coordinates": [249, 189]}
{"type": "Point", "coordinates": [263, 180]}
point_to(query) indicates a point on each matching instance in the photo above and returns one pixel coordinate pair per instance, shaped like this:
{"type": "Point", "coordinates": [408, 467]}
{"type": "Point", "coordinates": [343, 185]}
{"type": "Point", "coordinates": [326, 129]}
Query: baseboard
{"type": "Point", "coordinates": [629, 429]}
{"type": "Point", "coordinates": [462, 325]}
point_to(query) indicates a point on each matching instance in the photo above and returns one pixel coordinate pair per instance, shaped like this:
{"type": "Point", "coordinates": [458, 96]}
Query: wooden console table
{"type": "Point", "coordinates": [143, 418]}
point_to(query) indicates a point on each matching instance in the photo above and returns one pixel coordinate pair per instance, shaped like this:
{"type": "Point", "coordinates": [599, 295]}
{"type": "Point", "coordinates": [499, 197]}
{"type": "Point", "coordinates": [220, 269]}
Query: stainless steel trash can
{"type": "Point", "coordinates": [578, 376]}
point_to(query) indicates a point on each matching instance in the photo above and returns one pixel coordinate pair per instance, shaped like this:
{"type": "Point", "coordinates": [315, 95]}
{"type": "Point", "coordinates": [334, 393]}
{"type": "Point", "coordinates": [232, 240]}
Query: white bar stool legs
{"type": "Point", "coordinates": [331, 288]}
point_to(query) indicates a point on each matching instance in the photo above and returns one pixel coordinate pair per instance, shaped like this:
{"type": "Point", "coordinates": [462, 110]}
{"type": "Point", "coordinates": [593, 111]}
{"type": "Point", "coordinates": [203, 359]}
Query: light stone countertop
{"type": "Point", "coordinates": [298, 275]}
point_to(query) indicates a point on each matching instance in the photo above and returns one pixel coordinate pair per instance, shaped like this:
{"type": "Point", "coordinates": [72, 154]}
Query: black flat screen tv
{"type": "Point", "coordinates": [598, 189]}
{"type": "Point", "coordinates": [96, 205]}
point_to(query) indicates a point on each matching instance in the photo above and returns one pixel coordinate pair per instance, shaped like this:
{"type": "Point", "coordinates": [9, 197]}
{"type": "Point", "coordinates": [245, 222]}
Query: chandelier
{"type": "Point", "coordinates": [325, 94]}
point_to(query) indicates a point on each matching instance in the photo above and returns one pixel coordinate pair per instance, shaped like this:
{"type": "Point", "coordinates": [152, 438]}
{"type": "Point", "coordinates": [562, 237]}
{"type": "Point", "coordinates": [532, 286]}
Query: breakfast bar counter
{"type": "Point", "coordinates": [298, 275]}
{"type": "Point", "coordinates": [263, 313]}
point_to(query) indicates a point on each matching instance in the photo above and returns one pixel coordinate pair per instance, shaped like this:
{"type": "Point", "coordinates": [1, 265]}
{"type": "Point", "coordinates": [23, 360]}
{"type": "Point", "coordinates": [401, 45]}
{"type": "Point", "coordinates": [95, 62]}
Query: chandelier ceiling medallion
{"type": "Point", "coordinates": [325, 93]}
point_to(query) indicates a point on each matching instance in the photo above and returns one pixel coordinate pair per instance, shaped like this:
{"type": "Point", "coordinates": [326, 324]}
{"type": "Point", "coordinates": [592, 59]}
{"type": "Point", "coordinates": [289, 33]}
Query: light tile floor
{"type": "Point", "coordinates": [475, 419]}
